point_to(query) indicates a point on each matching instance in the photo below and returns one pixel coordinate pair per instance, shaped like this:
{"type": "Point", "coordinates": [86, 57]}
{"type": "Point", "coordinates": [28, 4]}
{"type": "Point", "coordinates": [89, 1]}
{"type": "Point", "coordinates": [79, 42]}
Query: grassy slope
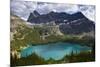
{"type": "Point", "coordinates": [28, 36]}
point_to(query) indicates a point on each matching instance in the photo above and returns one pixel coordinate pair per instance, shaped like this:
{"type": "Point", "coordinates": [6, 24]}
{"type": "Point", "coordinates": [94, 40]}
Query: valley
{"type": "Point", "coordinates": [25, 34]}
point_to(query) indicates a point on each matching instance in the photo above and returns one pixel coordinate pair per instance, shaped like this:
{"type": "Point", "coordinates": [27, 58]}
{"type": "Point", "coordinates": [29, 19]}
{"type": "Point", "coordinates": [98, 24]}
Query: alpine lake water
{"type": "Point", "coordinates": [54, 50]}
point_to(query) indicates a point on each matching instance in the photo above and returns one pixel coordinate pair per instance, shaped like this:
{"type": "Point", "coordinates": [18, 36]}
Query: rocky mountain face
{"type": "Point", "coordinates": [68, 23]}
{"type": "Point", "coordinates": [78, 26]}
{"type": "Point", "coordinates": [35, 17]}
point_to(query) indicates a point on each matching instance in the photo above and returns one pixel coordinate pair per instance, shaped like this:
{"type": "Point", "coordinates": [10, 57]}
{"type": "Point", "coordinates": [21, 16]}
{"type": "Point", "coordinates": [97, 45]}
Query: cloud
{"type": "Point", "coordinates": [88, 11]}
{"type": "Point", "coordinates": [47, 7]}
{"type": "Point", "coordinates": [23, 8]}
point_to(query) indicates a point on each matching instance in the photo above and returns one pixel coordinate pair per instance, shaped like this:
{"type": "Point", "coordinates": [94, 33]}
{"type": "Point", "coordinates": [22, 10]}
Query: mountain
{"type": "Point", "coordinates": [16, 24]}
{"type": "Point", "coordinates": [35, 17]}
{"type": "Point", "coordinates": [78, 26]}
{"type": "Point", "coordinates": [73, 23]}
{"type": "Point", "coordinates": [23, 33]}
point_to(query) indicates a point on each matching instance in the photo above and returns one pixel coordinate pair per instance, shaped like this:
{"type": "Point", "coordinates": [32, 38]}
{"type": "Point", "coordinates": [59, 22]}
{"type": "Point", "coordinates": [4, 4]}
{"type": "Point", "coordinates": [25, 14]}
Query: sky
{"type": "Point", "coordinates": [24, 8]}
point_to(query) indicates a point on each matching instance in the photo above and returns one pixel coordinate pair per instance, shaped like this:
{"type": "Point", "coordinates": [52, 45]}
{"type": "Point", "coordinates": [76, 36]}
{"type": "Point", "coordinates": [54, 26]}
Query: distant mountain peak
{"type": "Point", "coordinates": [35, 13]}
{"type": "Point", "coordinates": [79, 13]}
{"type": "Point", "coordinates": [52, 12]}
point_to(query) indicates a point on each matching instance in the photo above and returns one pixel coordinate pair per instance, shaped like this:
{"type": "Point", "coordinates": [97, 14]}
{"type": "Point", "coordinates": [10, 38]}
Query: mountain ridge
{"type": "Point", "coordinates": [53, 16]}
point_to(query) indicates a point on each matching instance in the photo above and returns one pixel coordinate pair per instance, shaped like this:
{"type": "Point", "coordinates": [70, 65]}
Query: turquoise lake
{"type": "Point", "coordinates": [54, 50]}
